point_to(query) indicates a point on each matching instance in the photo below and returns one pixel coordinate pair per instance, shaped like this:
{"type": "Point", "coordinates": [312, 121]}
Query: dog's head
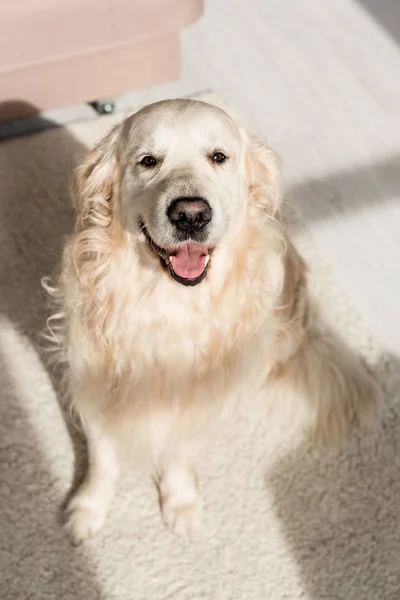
{"type": "Point", "coordinates": [179, 174]}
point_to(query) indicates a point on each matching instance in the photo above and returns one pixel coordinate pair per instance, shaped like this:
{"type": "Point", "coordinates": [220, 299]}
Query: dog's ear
{"type": "Point", "coordinates": [263, 175]}
{"type": "Point", "coordinates": [95, 191]}
{"type": "Point", "coordinates": [95, 184]}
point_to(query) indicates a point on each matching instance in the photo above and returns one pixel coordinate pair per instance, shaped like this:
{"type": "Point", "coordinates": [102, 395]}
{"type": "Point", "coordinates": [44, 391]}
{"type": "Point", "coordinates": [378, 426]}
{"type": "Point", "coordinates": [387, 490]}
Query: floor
{"type": "Point", "coordinates": [320, 82]}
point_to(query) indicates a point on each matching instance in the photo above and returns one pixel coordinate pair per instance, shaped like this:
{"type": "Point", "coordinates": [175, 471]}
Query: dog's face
{"type": "Point", "coordinates": [178, 174]}
{"type": "Point", "coordinates": [182, 182]}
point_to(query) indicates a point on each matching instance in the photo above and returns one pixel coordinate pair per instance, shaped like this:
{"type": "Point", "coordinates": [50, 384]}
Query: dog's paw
{"type": "Point", "coordinates": [183, 519]}
{"type": "Point", "coordinates": [83, 521]}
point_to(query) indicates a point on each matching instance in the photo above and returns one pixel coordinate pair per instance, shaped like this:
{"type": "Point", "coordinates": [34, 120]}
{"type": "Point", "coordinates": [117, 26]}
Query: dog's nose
{"type": "Point", "coordinates": [189, 215]}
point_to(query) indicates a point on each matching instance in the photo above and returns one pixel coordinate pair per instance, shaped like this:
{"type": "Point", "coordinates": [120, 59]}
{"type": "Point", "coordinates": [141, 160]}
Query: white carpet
{"type": "Point", "coordinates": [283, 521]}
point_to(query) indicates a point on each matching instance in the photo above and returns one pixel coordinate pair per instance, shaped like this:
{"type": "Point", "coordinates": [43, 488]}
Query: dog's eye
{"type": "Point", "coordinates": [148, 161]}
{"type": "Point", "coordinates": [218, 157]}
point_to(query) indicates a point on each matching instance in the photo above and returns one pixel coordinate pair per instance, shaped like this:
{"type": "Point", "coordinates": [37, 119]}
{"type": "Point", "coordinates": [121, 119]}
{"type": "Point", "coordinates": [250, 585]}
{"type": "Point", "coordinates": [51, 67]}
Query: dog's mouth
{"type": "Point", "coordinates": [187, 263]}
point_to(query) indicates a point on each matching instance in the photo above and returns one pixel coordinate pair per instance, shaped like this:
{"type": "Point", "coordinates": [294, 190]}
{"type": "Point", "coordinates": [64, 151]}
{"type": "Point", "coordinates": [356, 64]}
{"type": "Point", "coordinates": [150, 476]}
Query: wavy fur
{"type": "Point", "coordinates": [150, 362]}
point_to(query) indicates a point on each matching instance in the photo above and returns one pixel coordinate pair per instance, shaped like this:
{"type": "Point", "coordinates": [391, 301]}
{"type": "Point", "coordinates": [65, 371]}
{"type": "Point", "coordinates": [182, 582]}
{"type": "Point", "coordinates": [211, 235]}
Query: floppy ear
{"type": "Point", "coordinates": [263, 175]}
{"type": "Point", "coordinates": [95, 190]}
{"type": "Point", "coordinates": [95, 185]}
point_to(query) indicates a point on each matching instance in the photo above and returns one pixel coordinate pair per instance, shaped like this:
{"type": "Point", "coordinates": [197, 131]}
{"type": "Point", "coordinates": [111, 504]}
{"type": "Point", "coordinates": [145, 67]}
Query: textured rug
{"type": "Point", "coordinates": [282, 521]}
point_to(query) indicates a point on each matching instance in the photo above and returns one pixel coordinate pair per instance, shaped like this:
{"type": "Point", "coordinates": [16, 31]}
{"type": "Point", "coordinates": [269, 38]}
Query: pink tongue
{"type": "Point", "coordinates": [189, 261]}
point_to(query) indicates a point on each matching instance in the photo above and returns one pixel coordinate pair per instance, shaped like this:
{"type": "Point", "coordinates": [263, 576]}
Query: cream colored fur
{"type": "Point", "coordinates": [150, 363]}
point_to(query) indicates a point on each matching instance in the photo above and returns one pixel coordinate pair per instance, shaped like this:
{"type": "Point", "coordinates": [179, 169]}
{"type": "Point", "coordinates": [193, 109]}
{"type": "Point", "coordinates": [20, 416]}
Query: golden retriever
{"type": "Point", "coordinates": [179, 285]}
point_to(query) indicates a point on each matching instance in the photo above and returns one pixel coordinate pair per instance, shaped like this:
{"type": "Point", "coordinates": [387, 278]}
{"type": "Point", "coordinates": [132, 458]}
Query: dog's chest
{"type": "Point", "coordinates": [180, 334]}
{"type": "Point", "coordinates": [162, 332]}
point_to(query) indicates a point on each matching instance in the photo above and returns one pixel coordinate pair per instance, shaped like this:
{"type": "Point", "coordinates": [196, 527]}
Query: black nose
{"type": "Point", "coordinates": [189, 215]}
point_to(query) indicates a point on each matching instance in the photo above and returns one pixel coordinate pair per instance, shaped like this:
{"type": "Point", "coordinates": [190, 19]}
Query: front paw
{"type": "Point", "coordinates": [183, 519]}
{"type": "Point", "coordinates": [83, 519]}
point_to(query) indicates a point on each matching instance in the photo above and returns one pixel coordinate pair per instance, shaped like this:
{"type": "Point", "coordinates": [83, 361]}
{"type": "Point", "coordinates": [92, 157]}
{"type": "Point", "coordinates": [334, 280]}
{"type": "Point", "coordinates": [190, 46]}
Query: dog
{"type": "Point", "coordinates": [179, 285]}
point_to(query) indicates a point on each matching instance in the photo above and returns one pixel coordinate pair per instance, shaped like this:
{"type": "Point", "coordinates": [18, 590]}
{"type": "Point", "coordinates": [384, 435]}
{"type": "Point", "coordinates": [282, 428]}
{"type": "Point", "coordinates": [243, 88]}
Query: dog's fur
{"type": "Point", "coordinates": [150, 361]}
